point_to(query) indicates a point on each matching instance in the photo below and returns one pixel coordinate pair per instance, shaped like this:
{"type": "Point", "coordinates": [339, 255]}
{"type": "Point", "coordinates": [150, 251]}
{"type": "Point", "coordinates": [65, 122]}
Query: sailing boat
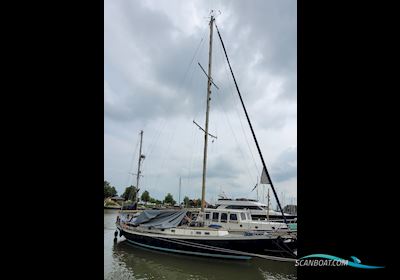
{"type": "Point", "coordinates": [182, 232]}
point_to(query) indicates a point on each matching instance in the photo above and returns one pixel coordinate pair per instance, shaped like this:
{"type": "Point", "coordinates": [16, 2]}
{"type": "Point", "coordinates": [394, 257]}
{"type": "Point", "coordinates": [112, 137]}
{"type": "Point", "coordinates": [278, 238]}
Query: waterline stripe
{"type": "Point", "coordinates": [191, 253]}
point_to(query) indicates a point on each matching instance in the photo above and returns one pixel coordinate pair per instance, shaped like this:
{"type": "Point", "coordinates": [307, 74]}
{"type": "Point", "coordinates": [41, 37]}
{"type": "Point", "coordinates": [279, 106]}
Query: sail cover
{"type": "Point", "coordinates": [160, 218]}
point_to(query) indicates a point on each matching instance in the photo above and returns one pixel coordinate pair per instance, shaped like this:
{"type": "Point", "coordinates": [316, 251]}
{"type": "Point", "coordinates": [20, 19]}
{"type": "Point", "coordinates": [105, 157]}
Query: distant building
{"type": "Point", "coordinates": [196, 203]}
{"type": "Point", "coordinates": [290, 209]}
{"type": "Point", "coordinates": [117, 199]}
{"type": "Point", "coordinates": [148, 204]}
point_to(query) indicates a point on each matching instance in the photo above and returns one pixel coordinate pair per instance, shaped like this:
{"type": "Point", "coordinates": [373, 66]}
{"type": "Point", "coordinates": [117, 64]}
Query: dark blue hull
{"type": "Point", "coordinates": [228, 249]}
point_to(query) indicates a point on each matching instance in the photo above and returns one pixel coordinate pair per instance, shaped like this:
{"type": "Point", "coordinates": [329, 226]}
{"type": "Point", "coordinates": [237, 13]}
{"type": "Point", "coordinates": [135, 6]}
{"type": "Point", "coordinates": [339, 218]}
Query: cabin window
{"type": "Point", "coordinates": [224, 217]}
{"type": "Point", "coordinates": [215, 217]}
{"type": "Point", "coordinates": [198, 232]}
{"type": "Point", "coordinates": [243, 216]}
{"type": "Point", "coordinates": [207, 233]}
{"type": "Point", "coordinates": [233, 218]}
{"type": "Point", "coordinates": [207, 216]}
{"type": "Point", "coordinates": [235, 207]}
{"type": "Point", "coordinates": [172, 230]}
{"type": "Point", "coordinates": [251, 207]}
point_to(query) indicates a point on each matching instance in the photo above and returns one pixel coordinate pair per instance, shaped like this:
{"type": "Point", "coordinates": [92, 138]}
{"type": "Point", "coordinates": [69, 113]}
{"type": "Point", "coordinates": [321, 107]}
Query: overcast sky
{"type": "Point", "coordinates": [153, 83]}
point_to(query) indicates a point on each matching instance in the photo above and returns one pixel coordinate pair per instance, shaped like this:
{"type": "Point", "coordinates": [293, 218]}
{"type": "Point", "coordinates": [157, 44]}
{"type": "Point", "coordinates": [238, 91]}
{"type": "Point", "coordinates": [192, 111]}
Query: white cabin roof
{"type": "Point", "coordinates": [240, 202]}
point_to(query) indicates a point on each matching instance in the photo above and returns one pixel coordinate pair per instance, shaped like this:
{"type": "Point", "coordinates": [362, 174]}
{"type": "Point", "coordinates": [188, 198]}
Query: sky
{"type": "Point", "coordinates": [152, 82]}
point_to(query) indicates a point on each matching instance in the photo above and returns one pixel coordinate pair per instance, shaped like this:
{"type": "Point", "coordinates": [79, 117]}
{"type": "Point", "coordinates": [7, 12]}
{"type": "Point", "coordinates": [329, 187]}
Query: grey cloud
{"type": "Point", "coordinates": [285, 167]}
{"type": "Point", "coordinates": [220, 167]}
{"type": "Point", "coordinates": [269, 28]}
{"type": "Point", "coordinates": [167, 57]}
{"type": "Point", "coordinates": [223, 168]}
{"type": "Point", "coordinates": [147, 80]}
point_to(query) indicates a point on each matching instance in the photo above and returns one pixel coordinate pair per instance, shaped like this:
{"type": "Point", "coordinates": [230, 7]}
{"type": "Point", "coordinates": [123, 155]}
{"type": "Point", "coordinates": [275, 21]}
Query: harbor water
{"type": "Point", "coordinates": [125, 261]}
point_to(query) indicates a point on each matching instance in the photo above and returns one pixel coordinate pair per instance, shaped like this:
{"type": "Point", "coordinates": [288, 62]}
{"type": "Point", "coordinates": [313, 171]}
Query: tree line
{"type": "Point", "coordinates": [110, 191]}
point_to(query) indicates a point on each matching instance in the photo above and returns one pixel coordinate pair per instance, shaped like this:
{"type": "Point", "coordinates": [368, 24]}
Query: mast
{"type": "Point", "coordinates": [180, 183]}
{"type": "Point", "coordinates": [138, 172]}
{"type": "Point", "coordinates": [263, 195]}
{"type": "Point", "coordinates": [140, 160]}
{"type": "Point", "coordinates": [268, 206]}
{"type": "Point", "coordinates": [257, 189]}
{"type": "Point", "coordinates": [209, 81]}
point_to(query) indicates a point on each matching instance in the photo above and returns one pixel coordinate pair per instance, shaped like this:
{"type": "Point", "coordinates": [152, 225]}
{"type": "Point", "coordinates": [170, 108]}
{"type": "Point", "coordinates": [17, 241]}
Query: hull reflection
{"type": "Point", "coordinates": [134, 262]}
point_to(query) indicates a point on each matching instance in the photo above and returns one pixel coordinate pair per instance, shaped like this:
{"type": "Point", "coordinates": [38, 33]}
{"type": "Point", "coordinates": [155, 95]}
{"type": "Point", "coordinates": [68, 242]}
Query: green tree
{"type": "Point", "coordinates": [197, 202]}
{"type": "Point", "coordinates": [158, 202]}
{"type": "Point", "coordinates": [145, 196]}
{"type": "Point", "coordinates": [169, 199]}
{"type": "Point", "coordinates": [152, 200]}
{"type": "Point", "coordinates": [109, 190]}
{"type": "Point", "coordinates": [186, 201]}
{"type": "Point", "coordinates": [128, 191]}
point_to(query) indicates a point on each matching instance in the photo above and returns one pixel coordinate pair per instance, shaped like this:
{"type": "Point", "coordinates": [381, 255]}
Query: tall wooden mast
{"type": "Point", "coordinates": [209, 81]}
{"type": "Point", "coordinates": [180, 185]}
{"type": "Point", "coordinates": [138, 171]}
{"type": "Point", "coordinates": [268, 206]}
{"type": "Point", "coordinates": [140, 160]}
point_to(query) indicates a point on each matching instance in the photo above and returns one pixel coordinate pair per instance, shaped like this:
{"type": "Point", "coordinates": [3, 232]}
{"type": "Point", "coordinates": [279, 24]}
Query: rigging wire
{"type": "Point", "coordinates": [196, 150]}
{"type": "Point", "coordinates": [235, 138]}
{"type": "Point", "coordinates": [167, 153]}
{"type": "Point", "coordinates": [251, 128]}
{"type": "Point", "coordinates": [193, 155]}
{"type": "Point", "coordinates": [224, 110]}
{"type": "Point", "coordinates": [235, 105]}
{"type": "Point", "coordinates": [163, 123]}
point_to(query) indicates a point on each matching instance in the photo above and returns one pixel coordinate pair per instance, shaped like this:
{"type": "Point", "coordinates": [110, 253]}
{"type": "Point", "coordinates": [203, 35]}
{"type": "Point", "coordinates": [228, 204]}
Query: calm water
{"type": "Point", "coordinates": [125, 261]}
